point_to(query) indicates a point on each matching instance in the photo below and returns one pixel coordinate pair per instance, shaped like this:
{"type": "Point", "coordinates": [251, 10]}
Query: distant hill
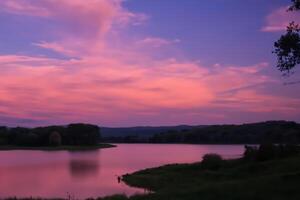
{"type": "Point", "coordinates": [262, 132]}
{"type": "Point", "coordinates": [142, 131]}
{"type": "Point", "coordinates": [73, 134]}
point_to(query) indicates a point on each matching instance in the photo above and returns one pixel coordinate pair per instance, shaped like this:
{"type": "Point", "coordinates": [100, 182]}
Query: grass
{"type": "Point", "coordinates": [236, 179]}
{"type": "Point", "coordinates": [58, 148]}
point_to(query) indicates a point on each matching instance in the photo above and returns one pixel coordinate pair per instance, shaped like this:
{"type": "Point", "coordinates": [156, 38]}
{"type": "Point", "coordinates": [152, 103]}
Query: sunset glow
{"type": "Point", "coordinates": [126, 63]}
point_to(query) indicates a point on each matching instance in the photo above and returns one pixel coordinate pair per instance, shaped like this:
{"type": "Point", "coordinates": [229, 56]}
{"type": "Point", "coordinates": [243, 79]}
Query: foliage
{"type": "Point", "coordinates": [275, 179]}
{"type": "Point", "coordinates": [295, 5]}
{"type": "Point", "coordinates": [287, 48]}
{"type": "Point", "coordinates": [3, 135]}
{"type": "Point", "coordinates": [264, 132]}
{"type": "Point", "coordinates": [270, 151]}
{"type": "Point", "coordinates": [83, 134]}
{"type": "Point", "coordinates": [55, 139]}
{"type": "Point", "coordinates": [250, 152]}
{"type": "Point", "coordinates": [73, 134]}
{"type": "Point", "coordinates": [211, 161]}
{"type": "Point", "coordinates": [58, 148]}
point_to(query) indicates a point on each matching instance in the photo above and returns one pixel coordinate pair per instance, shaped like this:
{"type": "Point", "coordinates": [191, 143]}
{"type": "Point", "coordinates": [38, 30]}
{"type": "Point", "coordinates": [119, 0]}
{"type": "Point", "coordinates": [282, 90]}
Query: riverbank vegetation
{"type": "Point", "coordinates": [255, 133]}
{"type": "Point", "coordinates": [89, 135]}
{"type": "Point", "coordinates": [70, 137]}
{"type": "Point", "coordinates": [267, 172]}
{"type": "Point", "coordinates": [58, 148]}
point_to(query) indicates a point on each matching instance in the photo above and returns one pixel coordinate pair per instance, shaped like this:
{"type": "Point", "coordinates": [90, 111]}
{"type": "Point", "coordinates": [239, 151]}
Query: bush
{"type": "Point", "coordinates": [270, 151]}
{"type": "Point", "coordinates": [250, 152]}
{"type": "Point", "coordinates": [211, 161]}
{"type": "Point", "coordinates": [289, 150]}
{"type": "Point", "coordinates": [266, 152]}
{"type": "Point", "coordinates": [83, 134]}
{"type": "Point", "coordinates": [55, 139]}
{"type": "Point", "coordinates": [3, 141]}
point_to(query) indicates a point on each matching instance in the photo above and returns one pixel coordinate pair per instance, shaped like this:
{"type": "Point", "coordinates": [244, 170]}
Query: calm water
{"type": "Point", "coordinates": [92, 173]}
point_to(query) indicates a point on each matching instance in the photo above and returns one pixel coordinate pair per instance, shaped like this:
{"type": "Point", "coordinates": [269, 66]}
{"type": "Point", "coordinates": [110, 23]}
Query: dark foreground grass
{"type": "Point", "coordinates": [238, 179]}
{"type": "Point", "coordinates": [235, 180]}
{"type": "Point", "coordinates": [58, 148]}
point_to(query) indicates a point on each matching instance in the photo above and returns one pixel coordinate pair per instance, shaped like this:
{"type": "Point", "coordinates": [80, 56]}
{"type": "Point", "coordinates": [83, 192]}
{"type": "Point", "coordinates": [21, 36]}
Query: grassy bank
{"type": "Point", "coordinates": [236, 179]}
{"type": "Point", "coordinates": [58, 148]}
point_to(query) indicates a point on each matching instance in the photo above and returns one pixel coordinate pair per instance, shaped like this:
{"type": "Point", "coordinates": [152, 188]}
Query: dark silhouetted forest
{"type": "Point", "coordinates": [73, 134]}
{"type": "Point", "coordinates": [86, 134]}
{"type": "Point", "coordinates": [256, 133]}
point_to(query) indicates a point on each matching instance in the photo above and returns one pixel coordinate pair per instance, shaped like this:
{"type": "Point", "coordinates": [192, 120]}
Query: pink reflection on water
{"type": "Point", "coordinates": [92, 173]}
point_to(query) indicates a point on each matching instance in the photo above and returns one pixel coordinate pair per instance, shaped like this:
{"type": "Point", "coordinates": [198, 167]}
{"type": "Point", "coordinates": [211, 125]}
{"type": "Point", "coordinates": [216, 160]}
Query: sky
{"type": "Point", "coordinates": [143, 62]}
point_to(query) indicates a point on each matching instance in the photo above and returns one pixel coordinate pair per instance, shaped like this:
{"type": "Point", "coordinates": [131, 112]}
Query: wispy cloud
{"type": "Point", "coordinates": [279, 19]}
{"type": "Point", "coordinates": [156, 42]}
{"type": "Point", "coordinates": [106, 79]}
{"type": "Point", "coordinates": [99, 89]}
{"type": "Point", "coordinates": [94, 16]}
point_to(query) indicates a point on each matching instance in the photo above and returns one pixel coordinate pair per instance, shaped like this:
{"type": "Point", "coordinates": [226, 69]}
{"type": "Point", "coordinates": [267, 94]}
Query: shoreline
{"type": "Point", "coordinates": [58, 148]}
{"type": "Point", "coordinates": [268, 180]}
{"type": "Point", "coordinates": [272, 176]}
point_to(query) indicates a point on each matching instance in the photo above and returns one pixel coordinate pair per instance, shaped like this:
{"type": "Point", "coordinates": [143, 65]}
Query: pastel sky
{"type": "Point", "coordinates": [143, 62]}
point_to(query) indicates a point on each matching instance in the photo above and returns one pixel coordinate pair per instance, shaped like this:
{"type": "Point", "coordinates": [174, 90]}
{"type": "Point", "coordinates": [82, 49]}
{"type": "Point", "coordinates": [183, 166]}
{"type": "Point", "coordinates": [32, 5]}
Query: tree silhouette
{"type": "Point", "coordinates": [287, 48]}
{"type": "Point", "coordinates": [295, 5]}
{"type": "Point", "coordinates": [55, 139]}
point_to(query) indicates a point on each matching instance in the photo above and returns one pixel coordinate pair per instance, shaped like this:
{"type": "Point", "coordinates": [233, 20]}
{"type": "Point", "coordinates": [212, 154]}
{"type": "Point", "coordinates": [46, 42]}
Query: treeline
{"type": "Point", "coordinates": [73, 134]}
{"type": "Point", "coordinates": [140, 131]}
{"type": "Point", "coordinates": [127, 139]}
{"type": "Point", "coordinates": [256, 133]}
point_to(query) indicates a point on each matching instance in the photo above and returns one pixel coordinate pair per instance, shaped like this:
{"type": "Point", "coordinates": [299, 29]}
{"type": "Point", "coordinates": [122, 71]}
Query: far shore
{"type": "Point", "coordinates": [58, 148]}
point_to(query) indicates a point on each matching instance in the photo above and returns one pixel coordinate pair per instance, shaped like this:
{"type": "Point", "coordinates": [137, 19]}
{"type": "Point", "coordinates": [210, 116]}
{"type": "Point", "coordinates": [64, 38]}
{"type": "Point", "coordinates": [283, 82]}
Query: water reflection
{"type": "Point", "coordinates": [51, 174]}
{"type": "Point", "coordinates": [84, 165]}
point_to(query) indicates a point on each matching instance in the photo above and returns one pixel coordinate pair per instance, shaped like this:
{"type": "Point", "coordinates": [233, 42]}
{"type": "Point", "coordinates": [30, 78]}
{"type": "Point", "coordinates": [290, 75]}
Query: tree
{"type": "Point", "coordinates": [287, 48]}
{"type": "Point", "coordinates": [295, 5]}
{"type": "Point", "coordinates": [211, 161]}
{"type": "Point", "coordinates": [3, 135]}
{"type": "Point", "coordinates": [83, 134]}
{"type": "Point", "coordinates": [55, 139]}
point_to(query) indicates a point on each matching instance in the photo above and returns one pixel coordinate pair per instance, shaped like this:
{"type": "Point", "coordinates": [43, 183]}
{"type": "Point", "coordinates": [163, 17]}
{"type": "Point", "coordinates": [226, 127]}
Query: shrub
{"type": "Point", "coordinates": [270, 151]}
{"type": "Point", "coordinates": [266, 152]}
{"type": "Point", "coordinates": [55, 139]}
{"type": "Point", "coordinates": [83, 134]}
{"type": "Point", "coordinates": [250, 152]}
{"type": "Point", "coordinates": [211, 161]}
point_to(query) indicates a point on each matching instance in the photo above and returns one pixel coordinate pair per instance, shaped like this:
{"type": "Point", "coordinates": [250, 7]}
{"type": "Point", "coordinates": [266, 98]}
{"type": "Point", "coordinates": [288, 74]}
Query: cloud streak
{"type": "Point", "coordinates": [279, 19]}
{"type": "Point", "coordinates": [99, 90]}
{"type": "Point", "coordinates": [106, 79]}
{"type": "Point", "coordinates": [96, 16]}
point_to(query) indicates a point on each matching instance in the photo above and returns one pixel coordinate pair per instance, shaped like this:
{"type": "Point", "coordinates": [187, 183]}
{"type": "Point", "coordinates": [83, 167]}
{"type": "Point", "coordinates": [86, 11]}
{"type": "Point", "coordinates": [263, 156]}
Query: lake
{"type": "Point", "coordinates": [92, 173]}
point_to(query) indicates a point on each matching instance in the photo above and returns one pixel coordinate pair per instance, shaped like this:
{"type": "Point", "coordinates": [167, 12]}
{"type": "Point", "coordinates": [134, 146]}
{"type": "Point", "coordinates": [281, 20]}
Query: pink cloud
{"type": "Point", "coordinates": [57, 47]}
{"type": "Point", "coordinates": [99, 90]}
{"type": "Point", "coordinates": [156, 42]}
{"type": "Point", "coordinates": [117, 80]}
{"type": "Point", "coordinates": [95, 17]}
{"type": "Point", "coordinates": [279, 19]}
{"type": "Point", "coordinates": [81, 28]}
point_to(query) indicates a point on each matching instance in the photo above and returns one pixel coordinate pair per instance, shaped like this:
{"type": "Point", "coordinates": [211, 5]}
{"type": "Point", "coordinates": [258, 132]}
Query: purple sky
{"type": "Point", "coordinates": [143, 62]}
